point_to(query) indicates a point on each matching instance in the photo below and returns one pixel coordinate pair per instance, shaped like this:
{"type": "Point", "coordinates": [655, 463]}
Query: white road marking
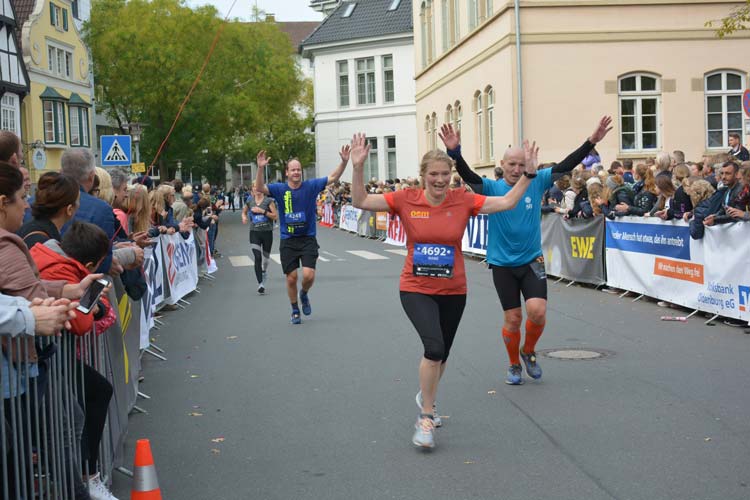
{"type": "Point", "coordinates": [367, 255]}
{"type": "Point", "coordinates": [399, 251]}
{"type": "Point", "coordinates": [323, 259]}
{"type": "Point", "coordinates": [240, 261]}
{"type": "Point", "coordinates": [331, 254]}
{"type": "Point", "coordinates": [276, 258]}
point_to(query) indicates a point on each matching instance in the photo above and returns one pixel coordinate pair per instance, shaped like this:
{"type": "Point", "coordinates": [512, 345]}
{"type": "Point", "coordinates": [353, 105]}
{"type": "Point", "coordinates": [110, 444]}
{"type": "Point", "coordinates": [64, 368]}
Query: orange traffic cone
{"type": "Point", "coordinates": [145, 484]}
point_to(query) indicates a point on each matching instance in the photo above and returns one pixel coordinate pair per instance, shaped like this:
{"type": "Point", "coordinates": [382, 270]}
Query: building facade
{"type": "Point", "coordinates": [14, 80]}
{"type": "Point", "coordinates": [363, 63]}
{"type": "Point", "coordinates": [666, 79]}
{"type": "Point", "coordinates": [56, 114]}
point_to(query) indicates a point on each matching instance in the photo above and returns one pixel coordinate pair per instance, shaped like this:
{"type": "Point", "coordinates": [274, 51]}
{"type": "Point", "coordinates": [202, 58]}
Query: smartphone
{"type": "Point", "coordinates": [91, 295]}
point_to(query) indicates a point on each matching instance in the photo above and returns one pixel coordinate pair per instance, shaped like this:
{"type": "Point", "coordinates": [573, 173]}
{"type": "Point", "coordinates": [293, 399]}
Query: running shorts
{"type": "Point", "coordinates": [528, 279]}
{"type": "Point", "coordinates": [302, 249]}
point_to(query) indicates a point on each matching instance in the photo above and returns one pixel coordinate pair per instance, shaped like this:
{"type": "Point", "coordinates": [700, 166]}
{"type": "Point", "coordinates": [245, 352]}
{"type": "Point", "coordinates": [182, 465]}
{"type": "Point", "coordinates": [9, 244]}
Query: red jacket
{"type": "Point", "coordinates": [54, 265]}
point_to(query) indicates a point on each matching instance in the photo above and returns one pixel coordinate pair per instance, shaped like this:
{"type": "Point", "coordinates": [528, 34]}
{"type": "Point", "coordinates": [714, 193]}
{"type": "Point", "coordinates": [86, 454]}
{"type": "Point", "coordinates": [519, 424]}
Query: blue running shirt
{"type": "Point", "coordinates": [515, 236]}
{"type": "Point", "coordinates": [297, 209]}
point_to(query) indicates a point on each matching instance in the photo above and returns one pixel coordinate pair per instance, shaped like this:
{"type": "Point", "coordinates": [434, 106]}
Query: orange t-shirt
{"type": "Point", "coordinates": [437, 233]}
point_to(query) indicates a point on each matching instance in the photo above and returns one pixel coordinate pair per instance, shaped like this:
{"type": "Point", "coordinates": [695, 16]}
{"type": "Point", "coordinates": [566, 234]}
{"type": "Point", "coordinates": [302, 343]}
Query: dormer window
{"type": "Point", "coordinates": [349, 9]}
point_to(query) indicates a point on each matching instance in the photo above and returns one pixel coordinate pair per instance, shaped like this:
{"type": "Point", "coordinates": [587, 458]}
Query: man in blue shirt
{"type": "Point", "coordinates": [514, 246]}
{"type": "Point", "coordinates": [298, 223]}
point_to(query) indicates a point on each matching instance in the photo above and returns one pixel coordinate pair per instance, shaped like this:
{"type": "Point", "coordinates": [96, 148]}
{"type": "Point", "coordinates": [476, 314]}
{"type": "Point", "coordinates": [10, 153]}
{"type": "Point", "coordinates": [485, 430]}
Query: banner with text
{"type": "Point", "coordinates": [349, 218]}
{"type": "Point", "coordinates": [396, 233]}
{"type": "Point", "coordinates": [180, 261]}
{"type": "Point", "coordinates": [475, 235]}
{"type": "Point", "coordinates": [574, 249]}
{"type": "Point", "coordinates": [327, 217]}
{"type": "Point", "coordinates": [659, 259]}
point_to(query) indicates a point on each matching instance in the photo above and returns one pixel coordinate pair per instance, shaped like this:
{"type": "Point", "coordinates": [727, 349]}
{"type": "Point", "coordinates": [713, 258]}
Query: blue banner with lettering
{"type": "Point", "coordinates": [655, 239]}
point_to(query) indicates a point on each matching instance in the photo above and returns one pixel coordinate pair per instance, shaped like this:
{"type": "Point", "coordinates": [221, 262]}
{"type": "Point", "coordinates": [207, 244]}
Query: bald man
{"type": "Point", "coordinates": [514, 247]}
{"type": "Point", "coordinates": [295, 200]}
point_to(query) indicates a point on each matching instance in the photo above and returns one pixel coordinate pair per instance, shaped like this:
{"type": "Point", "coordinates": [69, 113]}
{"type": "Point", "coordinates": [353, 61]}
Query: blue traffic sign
{"type": "Point", "coordinates": [116, 150]}
{"type": "Point", "coordinates": [746, 102]}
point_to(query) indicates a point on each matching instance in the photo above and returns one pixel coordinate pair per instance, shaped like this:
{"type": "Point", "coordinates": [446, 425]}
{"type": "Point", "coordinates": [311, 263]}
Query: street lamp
{"type": "Point", "coordinates": [134, 128]}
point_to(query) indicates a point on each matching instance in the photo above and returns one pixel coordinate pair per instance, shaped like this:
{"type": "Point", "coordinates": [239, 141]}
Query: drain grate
{"type": "Point", "coordinates": [575, 353]}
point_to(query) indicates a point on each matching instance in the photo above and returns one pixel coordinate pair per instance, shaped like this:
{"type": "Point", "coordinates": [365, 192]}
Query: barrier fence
{"type": "Point", "coordinates": [649, 257]}
{"type": "Point", "coordinates": [53, 408]}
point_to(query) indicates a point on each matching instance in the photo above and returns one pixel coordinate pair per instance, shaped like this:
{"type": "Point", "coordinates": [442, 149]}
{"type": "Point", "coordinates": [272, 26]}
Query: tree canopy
{"type": "Point", "coordinates": [148, 53]}
{"type": "Point", "coordinates": [737, 20]}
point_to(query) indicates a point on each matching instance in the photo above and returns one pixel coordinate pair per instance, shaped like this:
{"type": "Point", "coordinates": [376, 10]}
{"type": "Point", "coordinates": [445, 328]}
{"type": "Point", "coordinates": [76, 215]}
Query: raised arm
{"type": "Point", "coordinates": [260, 178]}
{"type": "Point", "coordinates": [452, 140]}
{"type": "Point", "coordinates": [336, 174]}
{"type": "Point", "coordinates": [508, 202]}
{"type": "Point", "coordinates": [360, 199]}
{"type": "Point", "coordinates": [576, 157]}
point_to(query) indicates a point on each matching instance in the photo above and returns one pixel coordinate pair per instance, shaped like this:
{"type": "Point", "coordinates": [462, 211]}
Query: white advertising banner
{"type": "Point", "coordinates": [349, 218]}
{"type": "Point", "coordinates": [475, 235]}
{"type": "Point", "coordinates": [396, 235]}
{"type": "Point", "coordinates": [659, 259]}
{"type": "Point", "coordinates": [180, 261]}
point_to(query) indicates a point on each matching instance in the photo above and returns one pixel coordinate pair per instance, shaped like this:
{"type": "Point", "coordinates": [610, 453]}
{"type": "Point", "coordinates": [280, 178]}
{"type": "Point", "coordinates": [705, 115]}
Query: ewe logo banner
{"type": "Point", "coordinates": [582, 247]}
{"type": "Point", "coordinates": [656, 239]}
{"type": "Point", "coordinates": [573, 249]}
{"type": "Point", "coordinates": [182, 265]}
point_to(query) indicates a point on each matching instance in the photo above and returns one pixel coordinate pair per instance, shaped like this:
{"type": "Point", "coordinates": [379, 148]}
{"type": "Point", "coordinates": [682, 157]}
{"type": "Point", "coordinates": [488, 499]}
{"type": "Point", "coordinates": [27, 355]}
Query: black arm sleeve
{"type": "Point", "coordinates": [573, 159]}
{"type": "Point", "coordinates": [467, 174]}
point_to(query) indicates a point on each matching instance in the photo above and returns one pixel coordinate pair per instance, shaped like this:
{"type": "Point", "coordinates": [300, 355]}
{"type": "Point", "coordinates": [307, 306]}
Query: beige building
{"type": "Point", "coordinates": [666, 79]}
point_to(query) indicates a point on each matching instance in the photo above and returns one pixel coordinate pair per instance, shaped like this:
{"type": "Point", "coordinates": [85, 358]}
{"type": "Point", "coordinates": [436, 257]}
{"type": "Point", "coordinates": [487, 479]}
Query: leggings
{"type": "Point", "coordinates": [260, 244]}
{"type": "Point", "coordinates": [436, 319]}
{"type": "Point", "coordinates": [98, 393]}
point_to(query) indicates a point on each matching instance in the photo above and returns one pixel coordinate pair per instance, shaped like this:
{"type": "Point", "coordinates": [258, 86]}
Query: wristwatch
{"type": "Point", "coordinates": [530, 176]}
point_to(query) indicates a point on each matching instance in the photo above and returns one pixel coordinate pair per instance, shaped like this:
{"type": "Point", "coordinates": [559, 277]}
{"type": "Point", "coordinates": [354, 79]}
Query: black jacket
{"type": "Point", "coordinates": [643, 202]}
{"type": "Point", "coordinates": [38, 231]}
{"type": "Point", "coordinates": [703, 210]}
{"type": "Point", "coordinates": [680, 204]}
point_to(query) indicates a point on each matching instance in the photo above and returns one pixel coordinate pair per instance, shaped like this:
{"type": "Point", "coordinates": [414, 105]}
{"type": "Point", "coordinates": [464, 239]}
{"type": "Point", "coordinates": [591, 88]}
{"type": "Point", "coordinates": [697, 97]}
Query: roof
{"type": "Point", "coordinates": [52, 94]}
{"type": "Point", "coordinates": [298, 31]}
{"type": "Point", "coordinates": [23, 9]}
{"type": "Point", "coordinates": [370, 18]}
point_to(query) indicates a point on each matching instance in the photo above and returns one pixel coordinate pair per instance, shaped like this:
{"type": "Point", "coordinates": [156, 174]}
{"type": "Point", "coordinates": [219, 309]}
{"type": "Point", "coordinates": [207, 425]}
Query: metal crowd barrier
{"type": "Point", "coordinates": [43, 416]}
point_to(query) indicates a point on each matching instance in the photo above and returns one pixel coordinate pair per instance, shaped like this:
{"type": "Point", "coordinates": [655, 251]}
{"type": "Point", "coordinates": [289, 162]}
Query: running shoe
{"type": "Point", "coordinates": [306, 309]}
{"type": "Point", "coordinates": [514, 375]}
{"type": "Point", "coordinates": [435, 415]}
{"type": "Point", "coordinates": [423, 435]}
{"type": "Point", "coordinates": [532, 368]}
{"type": "Point", "coordinates": [296, 318]}
{"type": "Point", "coordinates": [261, 288]}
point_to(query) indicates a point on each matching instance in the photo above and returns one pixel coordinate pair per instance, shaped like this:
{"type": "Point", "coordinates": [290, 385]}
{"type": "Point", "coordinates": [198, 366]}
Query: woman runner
{"type": "Point", "coordinates": [262, 211]}
{"type": "Point", "coordinates": [433, 280]}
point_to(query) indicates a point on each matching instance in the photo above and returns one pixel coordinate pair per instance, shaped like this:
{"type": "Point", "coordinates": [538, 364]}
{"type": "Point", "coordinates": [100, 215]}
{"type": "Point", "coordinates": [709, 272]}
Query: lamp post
{"type": "Point", "coordinates": [134, 128]}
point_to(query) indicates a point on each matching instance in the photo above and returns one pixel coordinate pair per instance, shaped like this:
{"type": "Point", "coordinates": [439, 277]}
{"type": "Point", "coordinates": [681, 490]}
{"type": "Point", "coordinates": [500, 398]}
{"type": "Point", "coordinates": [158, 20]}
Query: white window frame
{"type": "Point", "coordinates": [479, 112]}
{"type": "Point", "coordinates": [445, 24]}
{"type": "Point", "coordinates": [458, 114]}
{"type": "Point", "coordinates": [723, 93]}
{"type": "Point", "coordinates": [369, 81]}
{"type": "Point", "coordinates": [59, 61]}
{"type": "Point", "coordinates": [11, 113]}
{"type": "Point", "coordinates": [388, 77]}
{"type": "Point", "coordinates": [423, 32]}
{"type": "Point", "coordinates": [472, 12]}
{"type": "Point", "coordinates": [638, 96]}
{"type": "Point", "coordinates": [342, 90]}
{"type": "Point", "coordinates": [370, 169]}
{"type": "Point", "coordinates": [490, 107]}
{"type": "Point", "coordinates": [433, 131]}
{"type": "Point", "coordinates": [79, 133]}
{"type": "Point", "coordinates": [57, 109]}
{"type": "Point", "coordinates": [391, 166]}
{"type": "Point", "coordinates": [456, 18]}
{"type": "Point", "coordinates": [427, 131]}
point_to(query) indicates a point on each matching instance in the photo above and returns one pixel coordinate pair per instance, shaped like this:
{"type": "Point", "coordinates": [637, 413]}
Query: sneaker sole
{"type": "Point", "coordinates": [514, 383]}
{"type": "Point", "coordinates": [420, 445]}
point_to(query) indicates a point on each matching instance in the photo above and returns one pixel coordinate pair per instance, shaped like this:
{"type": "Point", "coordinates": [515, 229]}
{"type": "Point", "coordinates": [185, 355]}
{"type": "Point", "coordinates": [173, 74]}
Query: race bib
{"type": "Point", "coordinates": [259, 219]}
{"type": "Point", "coordinates": [433, 260]}
{"type": "Point", "coordinates": [295, 219]}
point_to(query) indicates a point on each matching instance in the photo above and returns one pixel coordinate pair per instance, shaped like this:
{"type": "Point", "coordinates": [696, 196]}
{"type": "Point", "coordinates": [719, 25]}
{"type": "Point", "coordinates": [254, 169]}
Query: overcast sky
{"type": "Point", "coordinates": [285, 10]}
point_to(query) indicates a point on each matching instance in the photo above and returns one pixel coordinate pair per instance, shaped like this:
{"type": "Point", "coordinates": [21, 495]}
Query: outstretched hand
{"type": "Point", "coordinates": [601, 130]}
{"type": "Point", "coordinates": [359, 150]}
{"type": "Point", "coordinates": [531, 157]}
{"type": "Point", "coordinates": [345, 153]}
{"type": "Point", "coordinates": [451, 138]}
{"type": "Point", "coordinates": [262, 160]}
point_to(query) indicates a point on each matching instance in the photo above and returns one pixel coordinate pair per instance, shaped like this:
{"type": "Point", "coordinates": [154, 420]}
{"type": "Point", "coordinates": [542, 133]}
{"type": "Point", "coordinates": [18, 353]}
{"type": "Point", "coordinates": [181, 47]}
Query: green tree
{"type": "Point", "coordinates": [146, 56]}
{"type": "Point", "coordinates": [737, 20]}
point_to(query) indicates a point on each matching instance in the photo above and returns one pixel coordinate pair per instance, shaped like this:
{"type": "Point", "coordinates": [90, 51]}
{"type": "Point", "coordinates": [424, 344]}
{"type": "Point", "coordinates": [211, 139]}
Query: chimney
{"type": "Point", "coordinates": [270, 18]}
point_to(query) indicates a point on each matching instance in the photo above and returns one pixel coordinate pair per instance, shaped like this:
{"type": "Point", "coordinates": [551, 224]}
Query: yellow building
{"type": "Point", "coordinates": [666, 79]}
{"type": "Point", "coordinates": [56, 113]}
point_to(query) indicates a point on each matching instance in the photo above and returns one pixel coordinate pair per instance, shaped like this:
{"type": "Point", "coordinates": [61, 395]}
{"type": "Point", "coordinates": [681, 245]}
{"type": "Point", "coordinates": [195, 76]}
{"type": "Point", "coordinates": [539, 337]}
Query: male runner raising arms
{"type": "Point", "coordinates": [514, 247]}
{"type": "Point", "coordinates": [297, 220]}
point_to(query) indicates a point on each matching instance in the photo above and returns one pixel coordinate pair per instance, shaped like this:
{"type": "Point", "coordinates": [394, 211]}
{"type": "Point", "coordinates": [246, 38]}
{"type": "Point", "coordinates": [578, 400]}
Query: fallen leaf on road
{"type": "Point", "coordinates": [215, 451]}
{"type": "Point", "coordinates": [232, 337]}
{"type": "Point", "coordinates": [491, 392]}
{"type": "Point", "coordinates": [217, 440]}
{"type": "Point", "coordinates": [195, 414]}
{"type": "Point", "coordinates": [194, 376]}
{"type": "Point", "coordinates": [707, 440]}
{"type": "Point", "coordinates": [469, 462]}
{"type": "Point", "coordinates": [445, 416]}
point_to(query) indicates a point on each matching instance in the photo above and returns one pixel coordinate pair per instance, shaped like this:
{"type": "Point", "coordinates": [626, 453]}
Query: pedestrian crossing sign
{"type": "Point", "coordinates": [115, 150]}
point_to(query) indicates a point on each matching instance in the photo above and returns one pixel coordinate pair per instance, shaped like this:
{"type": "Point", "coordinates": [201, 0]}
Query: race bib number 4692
{"type": "Point", "coordinates": [433, 260]}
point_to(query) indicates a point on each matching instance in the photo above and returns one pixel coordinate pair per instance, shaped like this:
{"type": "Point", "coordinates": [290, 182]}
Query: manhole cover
{"type": "Point", "coordinates": [575, 353]}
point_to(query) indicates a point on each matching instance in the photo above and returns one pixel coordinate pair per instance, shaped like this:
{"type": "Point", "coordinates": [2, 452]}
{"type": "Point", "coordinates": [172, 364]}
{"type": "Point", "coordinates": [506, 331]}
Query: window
{"type": "Point", "coordinates": [639, 112]}
{"type": "Point", "coordinates": [394, 5]}
{"type": "Point", "coordinates": [59, 61]}
{"type": "Point", "coordinates": [433, 131]}
{"type": "Point", "coordinates": [9, 113]}
{"type": "Point", "coordinates": [74, 9]}
{"type": "Point", "coordinates": [448, 114]}
{"type": "Point", "coordinates": [366, 81]}
{"type": "Point", "coordinates": [423, 32]}
{"type": "Point", "coordinates": [490, 119]}
{"type": "Point", "coordinates": [444, 24]}
{"type": "Point", "coordinates": [342, 68]}
{"type": "Point", "coordinates": [479, 123]}
{"type": "Point", "coordinates": [456, 21]}
{"type": "Point", "coordinates": [54, 122]}
{"type": "Point", "coordinates": [723, 107]}
{"type": "Point", "coordinates": [348, 9]}
{"type": "Point", "coordinates": [427, 132]}
{"type": "Point", "coordinates": [487, 9]}
{"type": "Point", "coordinates": [58, 17]}
{"type": "Point", "coordinates": [371, 164]}
{"type": "Point", "coordinates": [428, 33]}
{"type": "Point", "coordinates": [473, 12]}
{"type": "Point", "coordinates": [390, 150]}
{"type": "Point", "coordinates": [388, 88]}
{"type": "Point", "coordinates": [457, 115]}
{"type": "Point", "coordinates": [79, 126]}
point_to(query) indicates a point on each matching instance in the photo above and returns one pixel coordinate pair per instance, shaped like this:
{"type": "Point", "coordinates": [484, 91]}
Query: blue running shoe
{"type": "Point", "coordinates": [514, 375]}
{"type": "Point", "coordinates": [305, 303]}
{"type": "Point", "coordinates": [296, 319]}
{"type": "Point", "coordinates": [532, 368]}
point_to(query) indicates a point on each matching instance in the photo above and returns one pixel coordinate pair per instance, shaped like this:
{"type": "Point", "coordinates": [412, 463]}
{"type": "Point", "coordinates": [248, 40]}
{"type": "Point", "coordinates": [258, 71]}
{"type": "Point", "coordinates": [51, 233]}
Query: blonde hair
{"type": "Point", "coordinates": [139, 208]}
{"type": "Point", "coordinates": [680, 173]}
{"type": "Point", "coordinates": [430, 157]}
{"type": "Point", "coordinates": [106, 192]}
{"type": "Point", "coordinates": [166, 189]}
{"type": "Point", "coordinates": [700, 190]}
{"type": "Point", "coordinates": [156, 201]}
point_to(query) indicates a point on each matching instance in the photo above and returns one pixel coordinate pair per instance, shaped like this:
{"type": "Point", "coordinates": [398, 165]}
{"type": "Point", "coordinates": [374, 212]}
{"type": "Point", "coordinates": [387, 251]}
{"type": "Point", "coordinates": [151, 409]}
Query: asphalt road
{"type": "Point", "coordinates": [249, 406]}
